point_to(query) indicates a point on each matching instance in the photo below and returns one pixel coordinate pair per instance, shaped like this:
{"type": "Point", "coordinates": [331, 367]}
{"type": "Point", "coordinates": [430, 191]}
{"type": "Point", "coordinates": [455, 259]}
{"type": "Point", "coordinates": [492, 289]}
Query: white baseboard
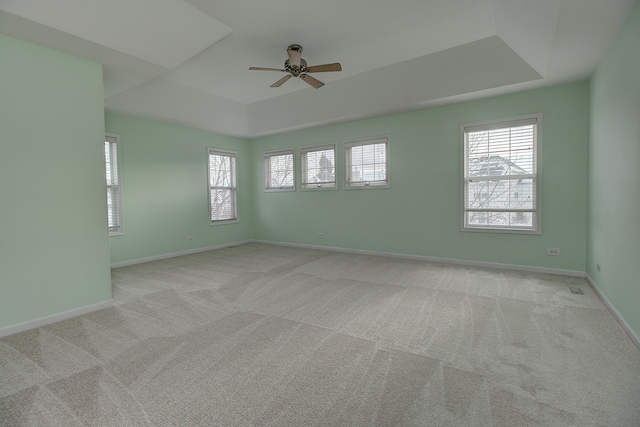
{"type": "Point", "coordinates": [455, 261]}
{"type": "Point", "coordinates": [47, 320]}
{"type": "Point", "coordinates": [625, 325]}
{"type": "Point", "coordinates": [176, 254]}
{"type": "Point", "coordinates": [484, 264]}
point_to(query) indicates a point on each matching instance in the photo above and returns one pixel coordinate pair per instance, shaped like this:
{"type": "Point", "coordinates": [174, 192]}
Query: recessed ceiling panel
{"type": "Point", "coordinates": [583, 35]}
{"type": "Point", "coordinates": [180, 61]}
{"type": "Point", "coordinates": [162, 32]}
{"type": "Point", "coordinates": [360, 34]}
{"type": "Point", "coordinates": [164, 100]}
{"type": "Point", "coordinates": [529, 28]}
{"type": "Point", "coordinates": [477, 66]}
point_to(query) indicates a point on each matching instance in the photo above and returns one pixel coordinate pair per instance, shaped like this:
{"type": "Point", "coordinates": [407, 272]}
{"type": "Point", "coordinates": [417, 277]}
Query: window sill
{"type": "Point", "coordinates": [279, 190]}
{"type": "Point", "coordinates": [366, 187]}
{"type": "Point", "coordinates": [318, 188]}
{"type": "Point", "coordinates": [501, 230]}
{"type": "Point", "coordinates": [224, 222]}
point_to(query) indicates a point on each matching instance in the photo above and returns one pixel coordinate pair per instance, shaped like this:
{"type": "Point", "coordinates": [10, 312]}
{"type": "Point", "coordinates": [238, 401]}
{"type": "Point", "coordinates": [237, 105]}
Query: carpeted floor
{"type": "Point", "coordinates": [261, 335]}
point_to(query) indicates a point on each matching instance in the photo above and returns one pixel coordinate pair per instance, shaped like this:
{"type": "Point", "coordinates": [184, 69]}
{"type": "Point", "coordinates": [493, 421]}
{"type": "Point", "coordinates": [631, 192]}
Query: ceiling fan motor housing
{"type": "Point", "coordinates": [297, 67]}
{"type": "Point", "coordinates": [295, 71]}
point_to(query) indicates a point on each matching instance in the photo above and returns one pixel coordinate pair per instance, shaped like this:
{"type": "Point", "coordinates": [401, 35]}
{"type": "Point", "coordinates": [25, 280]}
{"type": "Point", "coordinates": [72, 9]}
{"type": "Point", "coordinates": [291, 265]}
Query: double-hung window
{"type": "Point", "coordinates": [501, 176]}
{"type": "Point", "coordinates": [279, 171]}
{"type": "Point", "coordinates": [223, 189]}
{"type": "Point", "coordinates": [318, 167]}
{"type": "Point", "coordinates": [367, 163]}
{"type": "Point", "coordinates": [114, 187]}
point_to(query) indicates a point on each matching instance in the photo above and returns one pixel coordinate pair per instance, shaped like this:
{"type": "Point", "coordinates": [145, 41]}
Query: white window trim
{"type": "Point", "coordinates": [267, 169]}
{"type": "Point", "coordinates": [496, 124]}
{"type": "Point", "coordinates": [233, 154]}
{"type": "Point", "coordinates": [303, 168]}
{"type": "Point", "coordinates": [118, 166]}
{"type": "Point", "coordinates": [363, 185]}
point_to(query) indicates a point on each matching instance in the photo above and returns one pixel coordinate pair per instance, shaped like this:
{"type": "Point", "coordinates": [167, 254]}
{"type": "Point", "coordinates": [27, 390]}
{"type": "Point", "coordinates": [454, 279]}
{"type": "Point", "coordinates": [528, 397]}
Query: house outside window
{"type": "Point", "coordinates": [367, 163]}
{"type": "Point", "coordinates": [501, 176]}
{"type": "Point", "coordinates": [318, 167]}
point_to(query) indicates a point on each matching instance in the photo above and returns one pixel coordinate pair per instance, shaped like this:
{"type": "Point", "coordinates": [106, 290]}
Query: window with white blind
{"type": "Point", "coordinates": [501, 175]}
{"type": "Point", "coordinates": [114, 186]}
{"type": "Point", "coordinates": [318, 167]}
{"type": "Point", "coordinates": [279, 171]}
{"type": "Point", "coordinates": [367, 163]}
{"type": "Point", "coordinates": [223, 189]}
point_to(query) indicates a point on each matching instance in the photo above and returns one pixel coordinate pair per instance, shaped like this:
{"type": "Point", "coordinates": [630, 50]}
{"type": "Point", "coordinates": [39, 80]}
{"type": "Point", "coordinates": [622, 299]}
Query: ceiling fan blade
{"type": "Point", "coordinates": [294, 57]}
{"type": "Point", "coordinates": [281, 81]}
{"type": "Point", "coordinates": [312, 81]}
{"type": "Point", "coordinates": [267, 69]}
{"type": "Point", "coordinates": [324, 68]}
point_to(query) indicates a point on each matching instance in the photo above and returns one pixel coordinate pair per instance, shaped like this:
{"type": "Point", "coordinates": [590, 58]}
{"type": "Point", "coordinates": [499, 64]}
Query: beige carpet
{"type": "Point", "coordinates": [261, 335]}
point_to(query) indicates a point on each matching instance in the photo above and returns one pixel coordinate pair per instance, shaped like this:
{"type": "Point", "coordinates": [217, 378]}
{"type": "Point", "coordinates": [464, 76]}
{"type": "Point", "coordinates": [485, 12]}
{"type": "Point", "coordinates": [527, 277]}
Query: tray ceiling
{"type": "Point", "coordinates": [187, 62]}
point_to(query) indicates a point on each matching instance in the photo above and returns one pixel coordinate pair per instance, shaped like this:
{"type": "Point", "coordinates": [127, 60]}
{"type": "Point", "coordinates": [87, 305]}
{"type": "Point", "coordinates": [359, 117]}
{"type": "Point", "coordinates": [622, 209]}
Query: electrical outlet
{"type": "Point", "coordinates": [598, 267]}
{"type": "Point", "coordinates": [190, 238]}
{"type": "Point", "coordinates": [320, 235]}
{"type": "Point", "coordinates": [553, 251]}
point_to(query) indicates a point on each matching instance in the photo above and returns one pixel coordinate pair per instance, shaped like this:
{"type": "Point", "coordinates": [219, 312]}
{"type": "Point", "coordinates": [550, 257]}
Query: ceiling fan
{"type": "Point", "coordinates": [297, 67]}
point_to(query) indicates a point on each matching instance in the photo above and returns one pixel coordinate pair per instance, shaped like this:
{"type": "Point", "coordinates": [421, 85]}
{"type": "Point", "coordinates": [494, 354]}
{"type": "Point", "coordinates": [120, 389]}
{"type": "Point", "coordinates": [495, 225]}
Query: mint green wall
{"type": "Point", "coordinates": [614, 173]}
{"type": "Point", "coordinates": [419, 214]}
{"type": "Point", "coordinates": [164, 175]}
{"type": "Point", "coordinates": [54, 246]}
{"type": "Point", "coordinates": [54, 251]}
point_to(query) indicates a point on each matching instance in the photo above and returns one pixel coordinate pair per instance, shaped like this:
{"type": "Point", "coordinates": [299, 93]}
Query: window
{"type": "Point", "coordinates": [223, 190]}
{"type": "Point", "coordinates": [367, 163]}
{"type": "Point", "coordinates": [501, 188]}
{"type": "Point", "coordinates": [318, 167]}
{"type": "Point", "coordinates": [278, 171]}
{"type": "Point", "coordinates": [114, 187]}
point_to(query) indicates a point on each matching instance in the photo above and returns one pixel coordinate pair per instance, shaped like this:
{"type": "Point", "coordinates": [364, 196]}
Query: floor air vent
{"type": "Point", "coordinates": [576, 291]}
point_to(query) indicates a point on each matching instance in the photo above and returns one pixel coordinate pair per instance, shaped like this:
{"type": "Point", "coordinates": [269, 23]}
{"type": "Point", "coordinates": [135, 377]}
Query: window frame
{"type": "Point", "coordinates": [367, 185]}
{"type": "Point", "coordinates": [504, 123]}
{"type": "Point", "coordinates": [234, 187]}
{"type": "Point", "coordinates": [313, 186]}
{"type": "Point", "coordinates": [113, 139]}
{"type": "Point", "coordinates": [267, 155]}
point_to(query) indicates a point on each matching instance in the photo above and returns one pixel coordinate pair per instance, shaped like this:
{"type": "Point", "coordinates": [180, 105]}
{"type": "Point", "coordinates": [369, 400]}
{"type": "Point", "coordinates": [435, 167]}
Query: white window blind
{"type": "Point", "coordinates": [279, 171]}
{"type": "Point", "coordinates": [114, 188]}
{"type": "Point", "coordinates": [318, 167]}
{"type": "Point", "coordinates": [500, 183]}
{"type": "Point", "coordinates": [223, 191]}
{"type": "Point", "coordinates": [367, 163]}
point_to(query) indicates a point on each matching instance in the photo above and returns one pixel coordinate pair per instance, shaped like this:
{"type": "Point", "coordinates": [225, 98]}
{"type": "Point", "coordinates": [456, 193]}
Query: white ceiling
{"type": "Point", "coordinates": [187, 62]}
